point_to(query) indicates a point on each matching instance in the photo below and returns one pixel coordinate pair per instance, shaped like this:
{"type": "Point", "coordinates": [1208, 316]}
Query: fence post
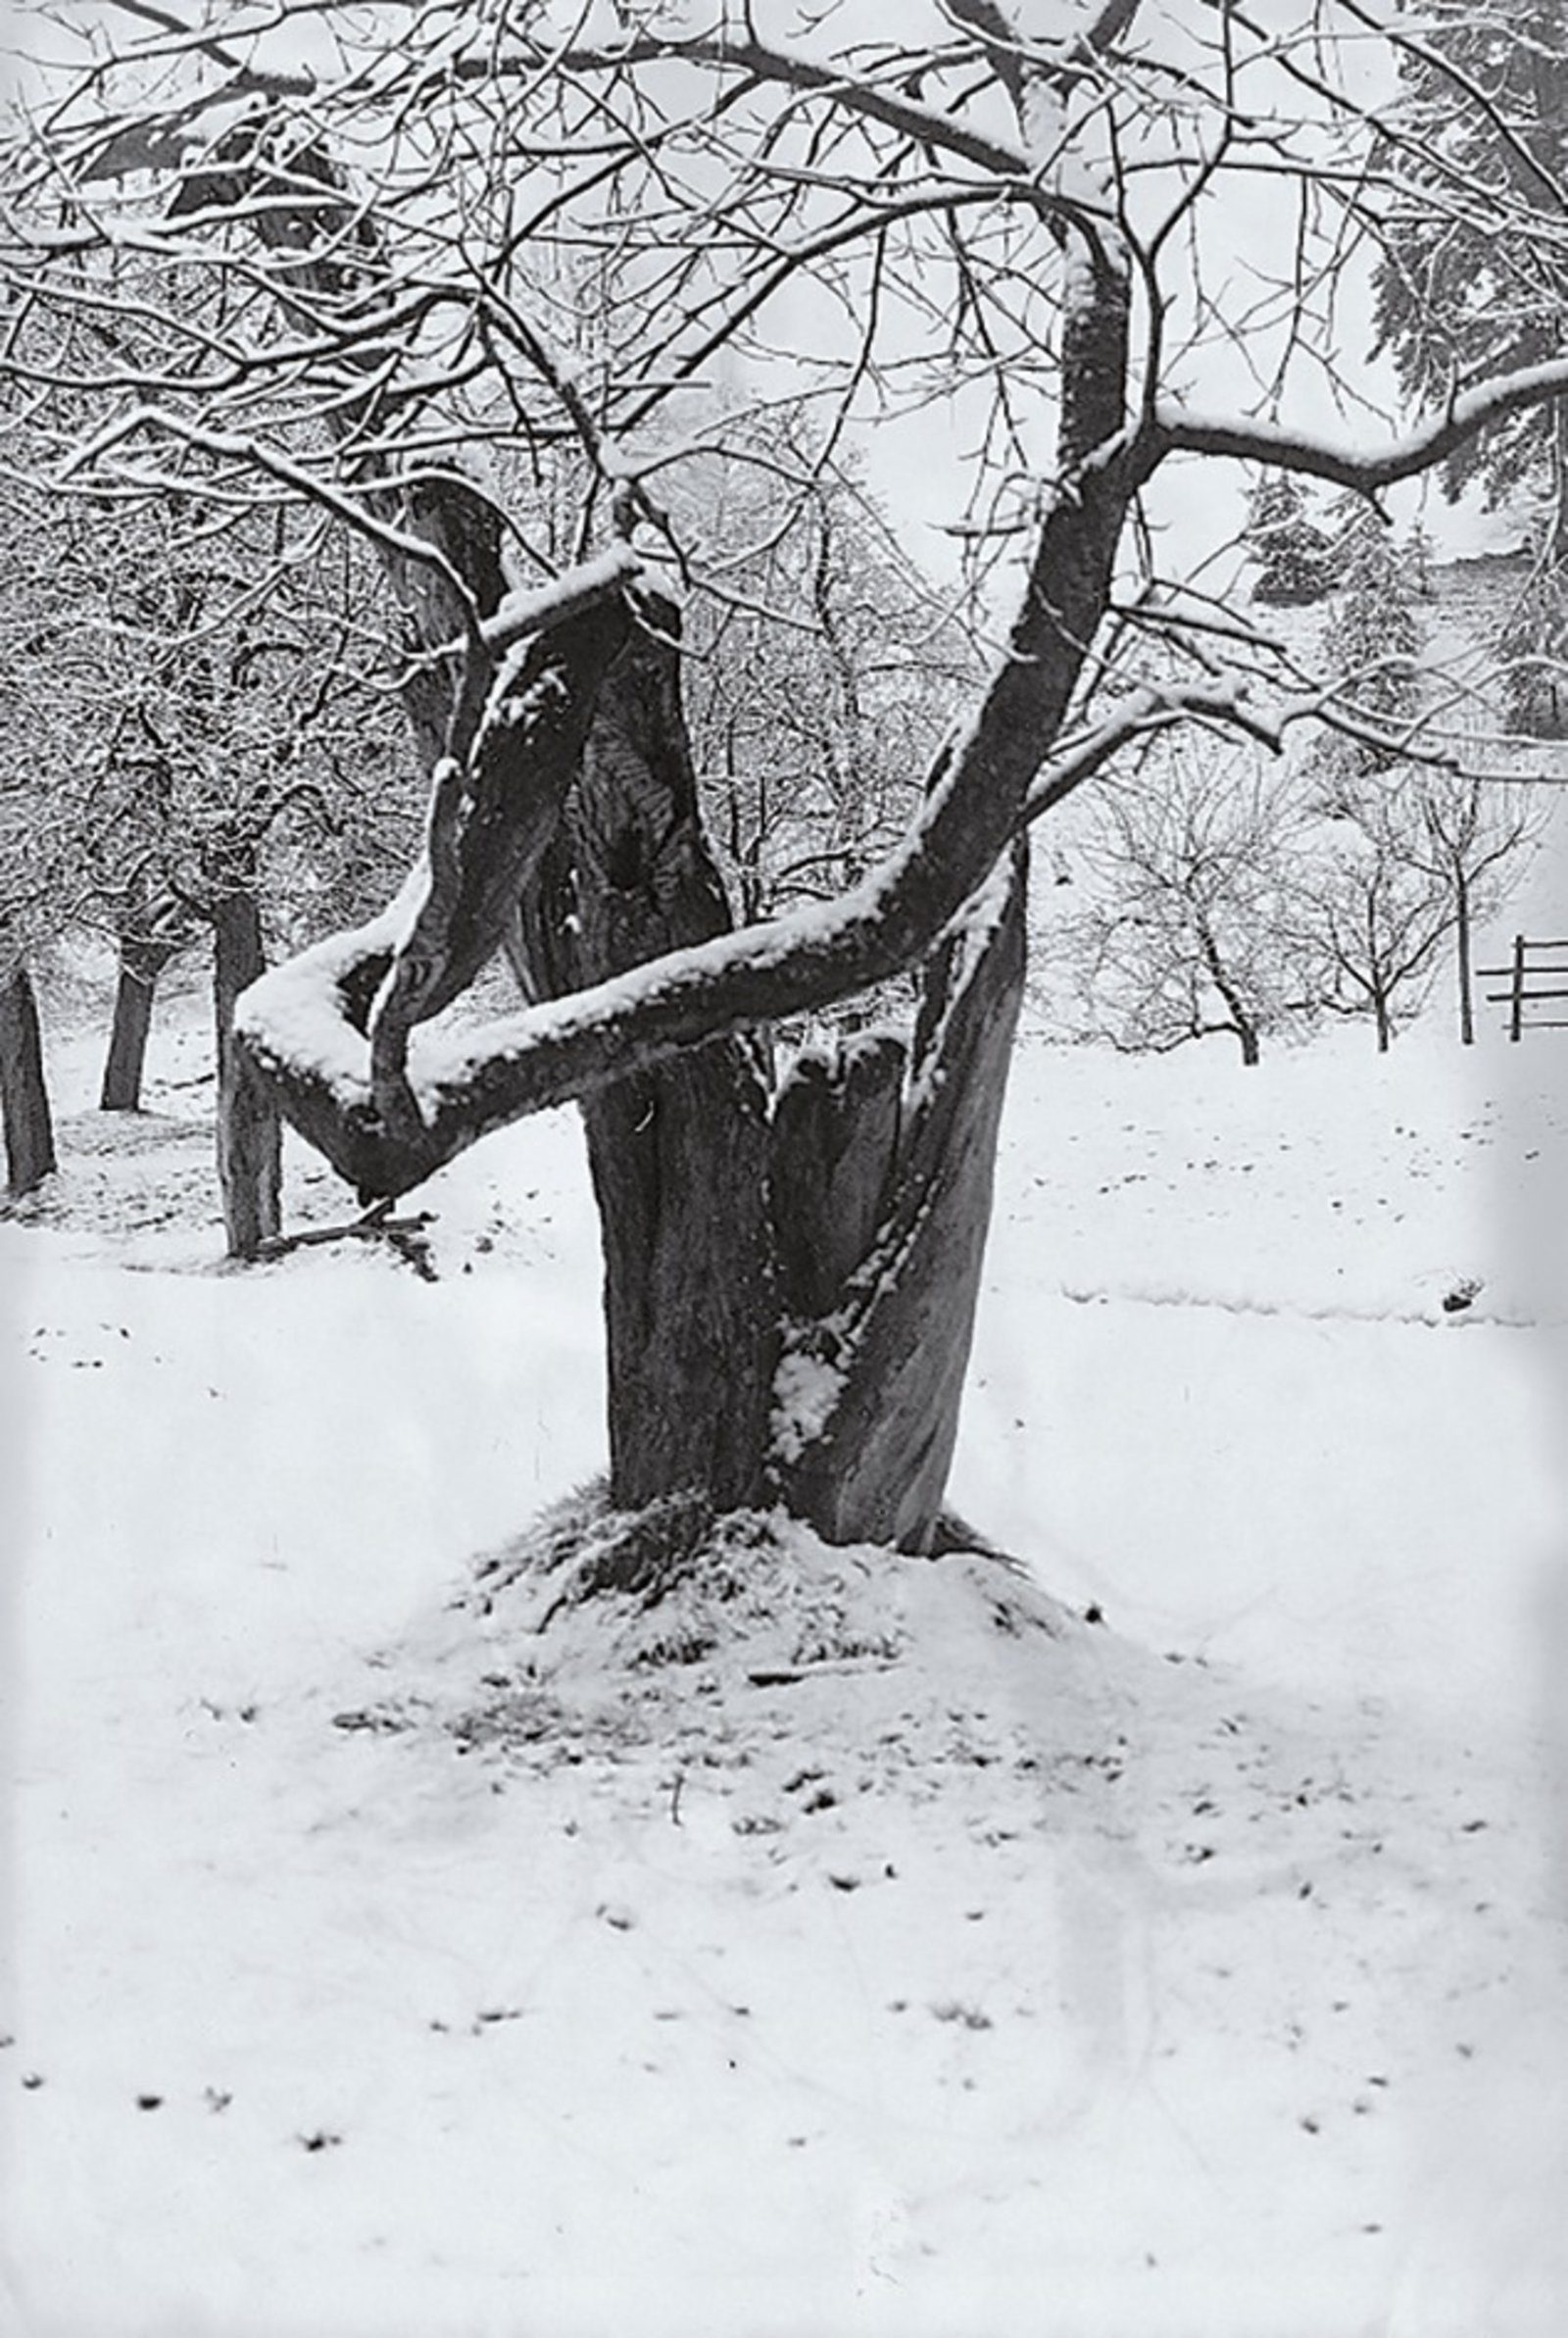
{"type": "Point", "coordinates": [1516, 1019]}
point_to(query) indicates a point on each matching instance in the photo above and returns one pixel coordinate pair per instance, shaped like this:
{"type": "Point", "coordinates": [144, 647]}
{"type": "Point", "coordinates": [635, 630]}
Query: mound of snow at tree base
{"type": "Point", "coordinates": [567, 1997]}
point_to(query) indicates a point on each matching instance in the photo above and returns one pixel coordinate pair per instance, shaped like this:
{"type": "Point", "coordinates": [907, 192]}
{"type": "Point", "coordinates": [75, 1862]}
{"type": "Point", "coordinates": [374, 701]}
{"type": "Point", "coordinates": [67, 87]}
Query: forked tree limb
{"type": "Point", "coordinates": [295, 1029]}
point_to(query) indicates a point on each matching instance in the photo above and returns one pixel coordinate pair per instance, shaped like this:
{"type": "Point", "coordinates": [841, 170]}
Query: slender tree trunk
{"type": "Point", "coordinates": [141, 963]}
{"type": "Point", "coordinates": [248, 1131]}
{"type": "Point", "coordinates": [1462, 958]}
{"type": "Point", "coordinates": [1242, 1023]}
{"type": "Point", "coordinates": [29, 1139]}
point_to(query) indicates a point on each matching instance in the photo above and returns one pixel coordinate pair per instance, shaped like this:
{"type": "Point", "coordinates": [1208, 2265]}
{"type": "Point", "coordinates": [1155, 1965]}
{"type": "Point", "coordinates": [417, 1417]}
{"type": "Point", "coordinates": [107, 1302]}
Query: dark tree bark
{"type": "Point", "coordinates": [678, 1159]}
{"type": "Point", "coordinates": [844, 1228]}
{"type": "Point", "coordinates": [1382, 1021]}
{"type": "Point", "coordinates": [249, 1130]}
{"type": "Point", "coordinates": [1462, 955]}
{"type": "Point", "coordinates": [29, 1137]}
{"type": "Point", "coordinates": [1240, 1022]}
{"type": "Point", "coordinates": [141, 963]}
{"type": "Point", "coordinates": [883, 1182]}
{"type": "Point", "coordinates": [680, 1154]}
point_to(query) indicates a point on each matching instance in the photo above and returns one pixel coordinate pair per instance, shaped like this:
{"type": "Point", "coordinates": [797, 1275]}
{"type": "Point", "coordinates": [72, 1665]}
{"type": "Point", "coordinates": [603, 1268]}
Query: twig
{"type": "Point", "coordinates": [402, 1234]}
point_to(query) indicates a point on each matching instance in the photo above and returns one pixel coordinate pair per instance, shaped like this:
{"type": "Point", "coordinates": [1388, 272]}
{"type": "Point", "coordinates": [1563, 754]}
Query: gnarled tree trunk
{"type": "Point", "coordinates": [29, 1137]}
{"type": "Point", "coordinates": [791, 1270]}
{"type": "Point", "coordinates": [790, 1277]}
{"type": "Point", "coordinates": [839, 1236]}
{"type": "Point", "coordinates": [680, 1154]}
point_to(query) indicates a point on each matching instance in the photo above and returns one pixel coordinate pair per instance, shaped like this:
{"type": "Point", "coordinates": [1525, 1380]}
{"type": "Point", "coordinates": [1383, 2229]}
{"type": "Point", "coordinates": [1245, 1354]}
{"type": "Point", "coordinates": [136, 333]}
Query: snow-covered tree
{"type": "Point", "coordinates": [1371, 648]}
{"type": "Point", "coordinates": [1466, 286]}
{"type": "Point", "coordinates": [822, 670]}
{"type": "Point", "coordinates": [1004, 227]}
{"type": "Point", "coordinates": [1476, 837]}
{"type": "Point", "coordinates": [35, 854]}
{"type": "Point", "coordinates": [1292, 557]}
{"type": "Point", "coordinates": [190, 702]}
{"type": "Point", "coordinates": [1189, 859]}
{"type": "Point", "coordinates": [1416, 847]}
{"type": "Point", "coordinates": [1371, 915]}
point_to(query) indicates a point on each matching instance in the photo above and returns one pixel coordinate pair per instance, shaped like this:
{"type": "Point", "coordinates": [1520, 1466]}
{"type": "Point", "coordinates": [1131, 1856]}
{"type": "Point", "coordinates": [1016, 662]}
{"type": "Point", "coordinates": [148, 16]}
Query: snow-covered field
{"type": "Point", "coordinates": [1169, 1938]}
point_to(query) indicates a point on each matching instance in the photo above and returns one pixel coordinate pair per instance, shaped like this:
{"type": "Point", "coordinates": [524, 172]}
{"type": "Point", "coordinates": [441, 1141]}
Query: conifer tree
{"type": "Point", "coordinates": [1292, 555]}
{"type": "Point", "coordinates": [1486, 103]}
{"type": "Point", "coordinates": [1371, 639]}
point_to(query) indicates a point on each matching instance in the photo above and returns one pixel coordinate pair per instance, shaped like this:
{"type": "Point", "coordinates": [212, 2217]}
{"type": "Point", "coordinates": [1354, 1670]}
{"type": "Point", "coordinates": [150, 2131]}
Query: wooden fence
{"type": "Point", "coordinates": [1536, 975]}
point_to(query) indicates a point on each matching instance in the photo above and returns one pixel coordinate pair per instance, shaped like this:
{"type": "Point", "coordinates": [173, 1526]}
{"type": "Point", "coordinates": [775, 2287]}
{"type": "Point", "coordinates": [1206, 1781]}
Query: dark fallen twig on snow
{"type": "Point", "coordinates": [405, 1236]}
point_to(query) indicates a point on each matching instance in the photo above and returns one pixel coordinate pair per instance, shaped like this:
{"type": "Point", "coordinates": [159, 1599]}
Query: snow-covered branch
{"type": "Point", "coordinates": [536, 608]}
{"type": "Point", "coordinates": [252, 454]}
{"type": "Point", "coordinates": [1141, 713]}
{"type": "Point", "coordinates": [302, 1028]}
{"type": "Point", "coordinates": [1177, 430]}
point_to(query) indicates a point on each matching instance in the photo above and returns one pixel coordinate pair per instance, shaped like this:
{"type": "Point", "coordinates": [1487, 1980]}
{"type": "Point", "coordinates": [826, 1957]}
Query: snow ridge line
{"type": "Point", "coordinates": [1461, 1317]}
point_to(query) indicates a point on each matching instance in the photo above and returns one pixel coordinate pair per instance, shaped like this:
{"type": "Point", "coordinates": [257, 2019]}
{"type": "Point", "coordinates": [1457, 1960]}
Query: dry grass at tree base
{"type": "Point", "coordinates": [649, 1614]}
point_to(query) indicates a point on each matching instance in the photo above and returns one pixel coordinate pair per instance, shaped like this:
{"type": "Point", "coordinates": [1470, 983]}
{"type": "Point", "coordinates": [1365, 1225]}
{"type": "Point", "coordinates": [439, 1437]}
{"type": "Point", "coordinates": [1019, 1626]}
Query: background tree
{"type": "Point", "coordinates": [26, 1118]}
{"type": "Point", "coordinates": [823, 670]}
{"type": "Point", "coordinates": [1466, 288]}
{"type": "Point", "coordinates": [1371, 650]}
{"type": "Point", "coordinates": [34, 859]}
{"type": "Point", "coordinates": [1189, 857]}
{"type": "Point", "coordinates": [1373, 914]}
{"type": "Point", "coordinates": [1475, 838]}
{"type": "Point", "coordinates": [1018, 216]}
{"type": "Point", "coordinates": [1292, 557]}
{"type": "Point", "coordinates": [1415, 850]}
{"type": "Point", "coordinates": [196, 694]}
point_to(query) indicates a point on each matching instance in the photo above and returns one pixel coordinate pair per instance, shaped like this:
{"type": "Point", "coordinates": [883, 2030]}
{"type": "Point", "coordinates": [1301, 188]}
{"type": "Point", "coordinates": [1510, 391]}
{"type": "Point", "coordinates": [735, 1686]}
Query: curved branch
{"type": "Point", "coordinates": [1175, 430]}
{"type": "Point", "coordinates": [298, 1027]}
{"type": "Point", "coordinates": [753, 60]}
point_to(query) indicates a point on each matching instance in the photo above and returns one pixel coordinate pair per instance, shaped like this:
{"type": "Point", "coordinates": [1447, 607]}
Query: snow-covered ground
{"type": "Point", "coordinates": [1166, 1938]}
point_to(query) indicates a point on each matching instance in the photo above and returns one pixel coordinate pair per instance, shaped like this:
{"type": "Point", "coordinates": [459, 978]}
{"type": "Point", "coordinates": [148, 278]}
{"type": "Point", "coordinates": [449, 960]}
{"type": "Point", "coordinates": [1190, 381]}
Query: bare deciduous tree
{"type": "Point", "coordinates": [1419, 846]}
{"type": "Point", "coordinates": [822, 669]}
{"type": "Point", "coordinates": [1372, 914]}
{"type": "Point", "coordinates": [1475, 837]}
{"type": "Point", "coordinates": [1190, 861]}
